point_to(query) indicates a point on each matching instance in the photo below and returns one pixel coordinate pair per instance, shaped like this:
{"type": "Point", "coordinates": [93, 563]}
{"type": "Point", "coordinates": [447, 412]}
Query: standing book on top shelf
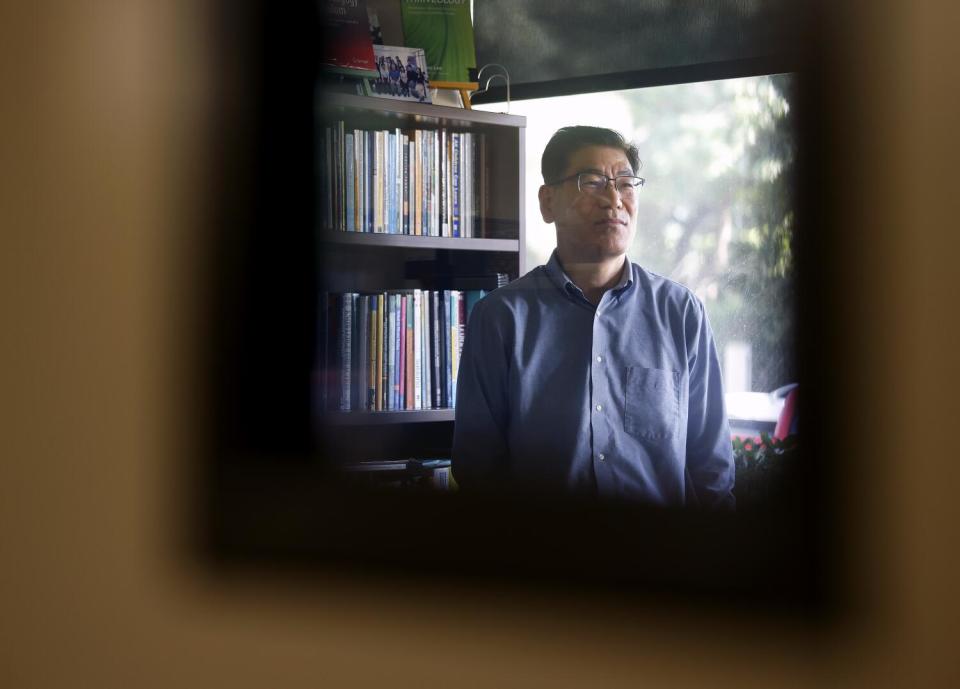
{"type": "Point", "coordinates": [345, 41]}
{"type": "Point", "coordinates": [444, 30]}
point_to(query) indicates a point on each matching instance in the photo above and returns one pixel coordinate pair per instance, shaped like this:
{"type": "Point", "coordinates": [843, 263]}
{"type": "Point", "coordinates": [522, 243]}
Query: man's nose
{"type": "Point", "coordinates": [611, 194]}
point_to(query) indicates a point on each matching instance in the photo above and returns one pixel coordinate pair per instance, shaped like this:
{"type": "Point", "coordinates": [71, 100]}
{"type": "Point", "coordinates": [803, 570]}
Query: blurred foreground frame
{"type": "Point", "coordinates": [265, 494]}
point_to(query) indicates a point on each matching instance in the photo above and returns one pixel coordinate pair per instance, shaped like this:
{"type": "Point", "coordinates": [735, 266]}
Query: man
{"type": "Point", "coordinates": [590, 374]}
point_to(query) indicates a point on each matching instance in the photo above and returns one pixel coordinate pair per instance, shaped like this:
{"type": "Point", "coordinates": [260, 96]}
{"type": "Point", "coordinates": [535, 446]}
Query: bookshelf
{"type": "Point", "coordinates": [376, 262]}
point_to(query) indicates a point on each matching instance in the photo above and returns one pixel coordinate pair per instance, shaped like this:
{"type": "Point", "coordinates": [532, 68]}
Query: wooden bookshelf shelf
{"type": "Point", "coordinates": [416, 113]}
{"type": "Point", "coordinates": [401, 241]}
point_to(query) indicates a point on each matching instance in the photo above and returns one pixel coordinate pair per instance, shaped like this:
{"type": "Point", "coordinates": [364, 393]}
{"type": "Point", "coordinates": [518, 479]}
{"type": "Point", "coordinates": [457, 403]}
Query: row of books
{"type": "Point", "coordinates": [416, 182]}
{"type": "Point", "coordinates": [396, 350]}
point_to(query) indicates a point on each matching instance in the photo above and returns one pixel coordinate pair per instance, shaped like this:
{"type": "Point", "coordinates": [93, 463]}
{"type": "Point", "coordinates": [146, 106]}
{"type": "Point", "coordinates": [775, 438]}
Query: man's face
{"type": "Point", "coordinates": [591, 228]}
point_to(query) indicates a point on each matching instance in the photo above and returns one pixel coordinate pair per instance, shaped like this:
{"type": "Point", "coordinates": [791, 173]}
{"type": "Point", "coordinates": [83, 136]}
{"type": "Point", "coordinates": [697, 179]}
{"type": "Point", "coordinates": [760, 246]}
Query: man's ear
{"type": "Point", "coordinates": [546, 203]}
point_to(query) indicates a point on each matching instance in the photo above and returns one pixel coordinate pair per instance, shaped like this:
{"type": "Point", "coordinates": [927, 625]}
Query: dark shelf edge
{"type": "Point", "coordinates": [440, 113]}
{"type": "Point", "coordinates": [380, 418]}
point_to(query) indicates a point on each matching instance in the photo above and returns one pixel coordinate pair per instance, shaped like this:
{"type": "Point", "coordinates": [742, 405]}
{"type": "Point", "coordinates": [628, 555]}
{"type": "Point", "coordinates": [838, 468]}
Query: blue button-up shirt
{"type": "Point", "coordinates": [623, 399]}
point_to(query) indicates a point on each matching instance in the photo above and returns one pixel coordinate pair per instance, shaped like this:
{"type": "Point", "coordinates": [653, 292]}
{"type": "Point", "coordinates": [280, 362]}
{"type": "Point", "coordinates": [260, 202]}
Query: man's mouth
{"type": "Point", "coordinates": [611, 222]}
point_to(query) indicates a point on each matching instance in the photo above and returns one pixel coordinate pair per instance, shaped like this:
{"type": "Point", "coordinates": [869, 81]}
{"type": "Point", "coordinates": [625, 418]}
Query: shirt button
{"type": "Point", "coordinates": [601, 457]}
{"type": "Point", "coordinates": [599, 359]}
{"type": "Point", "coordinates": [599, 407]}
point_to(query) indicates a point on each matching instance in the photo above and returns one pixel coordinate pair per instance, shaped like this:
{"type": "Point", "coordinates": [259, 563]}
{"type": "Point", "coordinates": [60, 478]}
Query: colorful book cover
{"type": "Point", "coordinates": [345, 40]}
{"type": "Point", "coordinates": [409, 396]}
{"type": "Point", "coordinates": [454, 342]}
{"type": "Point", "coordinates": [401, 74]}
{"type": "Point", "coordinates": [402, 357]}
{"type": "Point", "coordinates": [417, 350]}
{"type": "Point", "coordinates": [391, 352]}
{"type": "Point", "coordinates": [445, 32]}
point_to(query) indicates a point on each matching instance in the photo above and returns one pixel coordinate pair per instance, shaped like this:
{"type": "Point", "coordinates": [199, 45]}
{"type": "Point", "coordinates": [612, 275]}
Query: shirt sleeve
{"type": "Point", "coordinates": [480, 452]}
{"type": "Point", "coordinates": [710, 464]}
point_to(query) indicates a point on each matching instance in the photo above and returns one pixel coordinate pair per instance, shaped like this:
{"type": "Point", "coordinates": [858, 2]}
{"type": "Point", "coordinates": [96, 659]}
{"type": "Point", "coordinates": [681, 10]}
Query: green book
{"type": "Point", "coordinates": [445, 32]}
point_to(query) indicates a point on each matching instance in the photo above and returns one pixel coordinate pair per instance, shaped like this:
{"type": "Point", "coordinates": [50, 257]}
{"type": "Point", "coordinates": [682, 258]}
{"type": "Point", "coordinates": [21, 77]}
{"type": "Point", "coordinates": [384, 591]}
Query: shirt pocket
{"type": "Point", "coordinates": [652, 408]}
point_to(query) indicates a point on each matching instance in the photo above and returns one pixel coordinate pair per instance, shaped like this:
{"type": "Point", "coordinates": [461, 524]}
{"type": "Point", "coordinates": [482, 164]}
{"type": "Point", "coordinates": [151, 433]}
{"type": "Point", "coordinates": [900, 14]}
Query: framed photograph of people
{"type": "Point", "coordinates": [401, 74]}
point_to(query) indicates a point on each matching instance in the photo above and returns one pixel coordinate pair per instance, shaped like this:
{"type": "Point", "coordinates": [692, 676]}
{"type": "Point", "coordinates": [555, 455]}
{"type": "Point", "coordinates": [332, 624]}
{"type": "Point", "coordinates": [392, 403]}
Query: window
{"type": "Point", "coordinates": [716, 213]}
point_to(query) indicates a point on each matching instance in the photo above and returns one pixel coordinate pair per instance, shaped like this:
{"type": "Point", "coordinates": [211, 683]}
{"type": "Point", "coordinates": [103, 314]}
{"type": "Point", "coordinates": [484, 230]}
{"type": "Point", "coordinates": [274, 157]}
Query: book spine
{"type": "Point", "coordinates": [418, 182]}
{"type": "Point", "coordinates": [371, 147]}
{"type": "Point", "coordinates": [360, 367]}
{"type": "Point", "coordinates": [391, 176]}
{"type": "Point", "coordinates": [375, 173]}
{"type": "Point", "coordinates": [425, 347]}
{"type": "Point", "coordinates": [466, 212]}
{"type": "Point", "coordinates": [398, 182]}
{"type": "Point", "coordinates": [461, 335]}
{"type": "Point", "coordinates": [346, 342]}
{"type": "Point", "coordinates": [444, 308]}
{"type": "Point", "coordinates": [394, 178]}
{"type": "Point", "coordinates": [455, 222]}
{"type": "Point", "coordinates": [468, 185]}
{"type": "Point", "coordinates": [427, 182]}
{"type": "Point", "coordinates": [411, 189]}
{"type": "Point", "coordinates": [349, 186]}
{"type": "Point", "coordinates": [398, 353]}
{"type": "Point", "coordinates": [406, 185]}
{"type": "Point", "coordinates": [454, 338]}
{"type": "Point", "coordinates": [408, 396]}
{"type": "Point", "coordinates": [341, 175]}
{"type": "Point", "coordinates": [333, 340]}
{"type": "Point", "coordinates": [358, 180]}
{"type": "Point", "coordinates": [435, 347]}
{"type": "Point", "coordinates": [443, 191]}
{"type": "Point", "coordinates": [381, 310]}
{"type": "Point", "coordinates": [417, 351]}
{"type": "Point", "coordinates": [391, 352]}
{"type": "Point", "coordinates": [402, 336]}
{"type": "Point", "coordinates": [371, 392]}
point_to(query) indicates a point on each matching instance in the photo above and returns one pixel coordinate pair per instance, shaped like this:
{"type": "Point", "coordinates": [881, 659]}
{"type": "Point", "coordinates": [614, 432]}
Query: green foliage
{"type": "Point", "coordinates": [718, 211]}
{"type": "Point", "coordinates": [760, 466]}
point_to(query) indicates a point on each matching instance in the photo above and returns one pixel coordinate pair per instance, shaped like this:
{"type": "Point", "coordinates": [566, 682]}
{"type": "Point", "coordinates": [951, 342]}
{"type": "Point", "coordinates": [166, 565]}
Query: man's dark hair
{"type": "Point", "coordinates": [569, 140]}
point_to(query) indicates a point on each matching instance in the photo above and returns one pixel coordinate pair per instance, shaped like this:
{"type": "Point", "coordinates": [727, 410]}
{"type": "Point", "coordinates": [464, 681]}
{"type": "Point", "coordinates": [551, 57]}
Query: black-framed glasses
{"type": "Point", "coordinates": [595, 184]}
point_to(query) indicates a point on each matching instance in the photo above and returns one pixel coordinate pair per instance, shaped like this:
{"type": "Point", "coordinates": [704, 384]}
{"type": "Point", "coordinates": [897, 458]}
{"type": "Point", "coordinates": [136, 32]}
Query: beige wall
{"type": "Point", "coordinates": [103, 121]}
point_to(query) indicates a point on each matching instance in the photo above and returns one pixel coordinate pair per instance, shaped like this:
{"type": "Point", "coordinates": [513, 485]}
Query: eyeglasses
{"type": "Point", "coordinates": [595, 184]}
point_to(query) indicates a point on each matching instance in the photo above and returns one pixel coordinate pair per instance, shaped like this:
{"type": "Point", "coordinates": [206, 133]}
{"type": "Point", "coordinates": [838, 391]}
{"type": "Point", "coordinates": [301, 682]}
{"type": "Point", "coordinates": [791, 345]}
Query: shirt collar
{"type": "Point", "coordinates": [562, 280]}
